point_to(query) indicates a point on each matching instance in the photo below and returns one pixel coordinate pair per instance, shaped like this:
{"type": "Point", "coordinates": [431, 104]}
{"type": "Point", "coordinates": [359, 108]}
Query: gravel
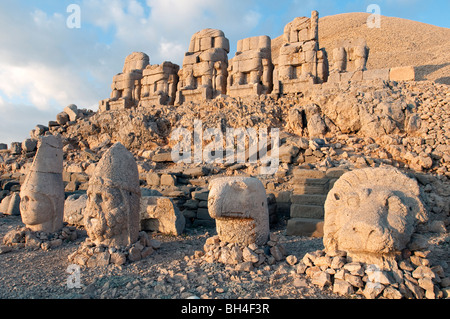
{"type": "Point", "coordinates": [172, 272]}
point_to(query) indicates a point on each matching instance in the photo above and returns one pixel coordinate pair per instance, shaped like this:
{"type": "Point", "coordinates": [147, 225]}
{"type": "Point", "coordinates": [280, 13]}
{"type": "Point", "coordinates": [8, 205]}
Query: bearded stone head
{"type": "Point", "coordinates": [112, 209]}
{"type": "Point", "coordinates": [371, 214]}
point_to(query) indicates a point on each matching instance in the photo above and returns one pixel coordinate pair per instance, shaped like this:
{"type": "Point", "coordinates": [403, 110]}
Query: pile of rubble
{"type": "Point", "coordinates": [241, 257]}
{"type": "Point", "coordinates": [23, 237]}
{"type": "Point", "coordinates": [413, 277]}
{"type": "Point", "coordinates": [91, 255]}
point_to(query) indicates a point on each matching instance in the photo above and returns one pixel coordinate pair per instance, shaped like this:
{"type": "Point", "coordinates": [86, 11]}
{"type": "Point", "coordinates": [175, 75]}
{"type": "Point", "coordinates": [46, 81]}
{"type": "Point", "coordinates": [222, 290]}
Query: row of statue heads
{"type": "Point", "coordinates": [238, 204]}
{"type": "Point", "coordinates": [255, 69]}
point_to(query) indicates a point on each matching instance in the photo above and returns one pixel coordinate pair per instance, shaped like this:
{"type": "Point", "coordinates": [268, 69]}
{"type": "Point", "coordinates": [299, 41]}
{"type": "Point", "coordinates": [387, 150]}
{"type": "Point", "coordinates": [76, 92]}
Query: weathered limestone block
{"type": "Point", "coordinates": [371, 214]}
{"type": "Point", "coordinates": [126, 86]}
{"type": "Point", "coordinates": [15, 148]}
{"type": "Point", "coordinates": [42, 193]}
{"type": "Point", "coordinates": [159, 84]}
{"type": "Point", "coordinates": [239, 205]}
{"type": "Point", "coordinates": [74, 207]}
{"type": "Point", "coordinates": [204, 72]}
{"type": "Point", "coordinates": [339, 60]}
{"type": "Point", "coordinates": [29, 145]}
{"type": "Point", "coordinates": [250, 71]}
{"type": "Point", "coordinates": [10, 205]}
{"type": "Point", "coordinates": [72, 111]}
{"type": "Point", "coordinates": [302, 29]}
{"type": "Point", "coordinates": [308, 227]}
{"type": "Point", "coordinates": [62, 118]}
{"type": "Point", "coordinates": [407, 73]}
{"type": "Point", "coordinates": [208, 39]}
{"type": "Point", "coordinates": [377, 74]}
{"type": "Point", "coordinates": [159, 213]}
{"type": "Point", "coordinates": [300, 60]}
{"type": "Point", "coordinates": [112, 211]}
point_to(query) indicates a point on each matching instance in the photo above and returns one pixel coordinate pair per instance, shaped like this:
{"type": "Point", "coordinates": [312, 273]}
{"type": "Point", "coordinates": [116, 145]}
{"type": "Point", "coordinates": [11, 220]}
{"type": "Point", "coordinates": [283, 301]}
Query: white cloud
{"type": "Point", "coordinates": [44, 65]}
{"type": "Point", "coordinates": [170, 50]}
{"type": "Point", "coordinates": [252, 18]}
{"type": "Point", "coordinates": [19, 119]}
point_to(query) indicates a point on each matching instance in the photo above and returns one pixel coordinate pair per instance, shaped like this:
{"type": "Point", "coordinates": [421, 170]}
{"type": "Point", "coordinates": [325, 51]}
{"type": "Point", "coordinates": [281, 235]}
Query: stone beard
{"type": "Point", "coordinates": [113, 204]}
{"type": "Point", "coordinates": [112, 214]}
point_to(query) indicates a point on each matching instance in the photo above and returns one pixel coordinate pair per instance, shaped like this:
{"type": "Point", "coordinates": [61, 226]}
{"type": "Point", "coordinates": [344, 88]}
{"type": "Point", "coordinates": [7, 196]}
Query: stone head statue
{"type": "Point", "coordinates": [42, 193]}
{"type": "Point", "coordinates": [361, 54]}
{"type": "Point", "coordinates": [136, 61]}
{"type": "Point", "coordinates": [339, 59]}
{"type": "Point", "coordinates": [112, 209]}
{"type": "Point", "coordinates": [239, 205]}
{"type": "Point", "coordinates": [371, 214]}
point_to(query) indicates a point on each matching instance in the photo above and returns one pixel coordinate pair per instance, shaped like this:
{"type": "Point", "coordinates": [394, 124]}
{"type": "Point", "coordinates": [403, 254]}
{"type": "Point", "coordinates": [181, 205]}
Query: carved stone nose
{"type": "Point", "coordinates": [365, 236]}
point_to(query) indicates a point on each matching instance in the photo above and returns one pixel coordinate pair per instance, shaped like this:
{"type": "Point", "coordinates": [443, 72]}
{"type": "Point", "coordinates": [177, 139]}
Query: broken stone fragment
{"type": "Point", "coordinates": [10, 205]}
{"type": "Point", "coordinates": [159, 213]}
{"type": "Point", "coordinates": [71, 111]}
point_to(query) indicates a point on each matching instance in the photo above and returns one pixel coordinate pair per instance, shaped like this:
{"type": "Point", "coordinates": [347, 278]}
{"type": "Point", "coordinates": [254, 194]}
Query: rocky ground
{"type": "Point", "coordinates": [344, 126]}
{"type": "Point", "coordinates": [172, 272]}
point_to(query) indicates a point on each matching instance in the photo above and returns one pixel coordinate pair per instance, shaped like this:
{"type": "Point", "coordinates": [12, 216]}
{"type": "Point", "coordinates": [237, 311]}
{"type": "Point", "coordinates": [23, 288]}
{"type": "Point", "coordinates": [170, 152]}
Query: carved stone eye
{"type": "Point", "coordinates": [353, 200]}
{"type": "Point", "coordinates": [336, 196]}
{"type": "Point", "coordinates": [395, 205]}
{"type": "Point", "coordinates": [24, 202]}
{"type": "Point", "coordinates": [397, 211]}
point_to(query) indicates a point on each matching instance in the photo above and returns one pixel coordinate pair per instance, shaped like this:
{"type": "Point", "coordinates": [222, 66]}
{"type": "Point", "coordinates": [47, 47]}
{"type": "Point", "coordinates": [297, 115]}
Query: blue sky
{"type": "Point", "coordinates": [44, 65]}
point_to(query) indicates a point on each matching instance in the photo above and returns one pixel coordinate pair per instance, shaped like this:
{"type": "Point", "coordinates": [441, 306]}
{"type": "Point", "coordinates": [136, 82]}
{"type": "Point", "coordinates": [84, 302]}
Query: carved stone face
{"type": "Point", "coordinates": [239, 206]}
{"type": "Point", "coordinates": [42, 193]}
{"type": "Point", "coordinates": [112, 208]}
{"type": "Point", "coordinates": [108, 211]}
{"type": "Point", "coordinates": [372, 212]}
{"type": "Point", "coordinates": [372, 220]}
{"type": "Point", "coordinates": [37, 210]}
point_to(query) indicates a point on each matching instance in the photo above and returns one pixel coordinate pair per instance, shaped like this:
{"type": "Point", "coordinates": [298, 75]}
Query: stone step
{"type": "Point", "coordinates": [335, 172]}
{"type": "Point", "coordinates": [200, 194]}
{"type": "Point", "coordinates": [308, 173]}
{"type": "Point", "coordinates": [307, 211]}
{"type": "Point", "coordinates": [311, 189]}
{"type": "Point", "coordinates": [203, 213]}
{"type": "Point", "coordinates": [308, 227]}
{"type": "Point", "coordinates": [308, 199]}
{"type": "Point", "coordinates": [310, 181]}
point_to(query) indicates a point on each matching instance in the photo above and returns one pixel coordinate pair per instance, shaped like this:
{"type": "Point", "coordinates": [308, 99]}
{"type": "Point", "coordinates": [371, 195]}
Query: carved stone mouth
{"type": "Point", "coordinates": [233, 214]}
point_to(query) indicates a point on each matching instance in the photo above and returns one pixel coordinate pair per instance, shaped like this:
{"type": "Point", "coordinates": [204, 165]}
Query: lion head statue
{"type": "Point", "coordinates": [371, 214]}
